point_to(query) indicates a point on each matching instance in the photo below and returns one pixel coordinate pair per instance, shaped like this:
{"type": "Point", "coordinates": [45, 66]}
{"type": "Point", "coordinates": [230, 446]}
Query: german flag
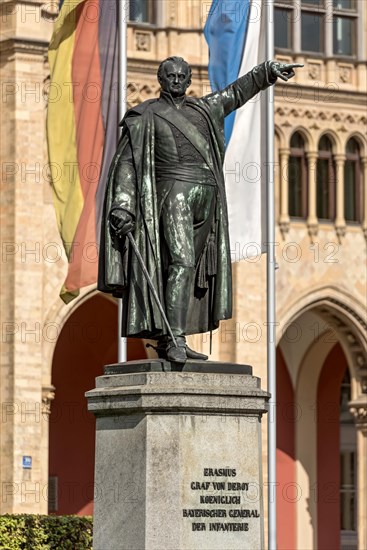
{"type": "Point", "coordinates": [82, 128]}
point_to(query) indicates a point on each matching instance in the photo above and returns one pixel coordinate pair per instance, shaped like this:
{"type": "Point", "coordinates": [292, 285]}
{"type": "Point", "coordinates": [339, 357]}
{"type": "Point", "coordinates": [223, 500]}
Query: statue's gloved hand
{"type": "Point", "coordinates": [285, 71]}
{"type": "Point", "coordinates": [121, 221]}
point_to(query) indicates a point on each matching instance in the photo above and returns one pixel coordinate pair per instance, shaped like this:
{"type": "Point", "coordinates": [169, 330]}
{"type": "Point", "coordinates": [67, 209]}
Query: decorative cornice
{"type": "Point", "coordinates": [12, 46]}
{"type": "Point", "coordinates": [318, 93]}
{"type": "Point", "coordinates": [320, 115]}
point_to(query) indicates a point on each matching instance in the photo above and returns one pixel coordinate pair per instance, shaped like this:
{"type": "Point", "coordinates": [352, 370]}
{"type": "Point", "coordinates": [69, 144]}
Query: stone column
{"type": "Point", "coordinates": [364, 183]}
{"type": "Point", "coordinates": [340, 226]}
{"type": "Point", "coordinates": [178, 457]}
{"type": "Point", "coordinates": [358, 408]}
{"type": "Point", "coordinates": [48, 395]}
{"type": "Point", "coordinates": [284, 187]}
{"type": "Point", "coordinates": [328, 30]}
{"type": "Point", "coordinates": [312, 221]}
{"type": "Point", "coordinates": [296, 24]}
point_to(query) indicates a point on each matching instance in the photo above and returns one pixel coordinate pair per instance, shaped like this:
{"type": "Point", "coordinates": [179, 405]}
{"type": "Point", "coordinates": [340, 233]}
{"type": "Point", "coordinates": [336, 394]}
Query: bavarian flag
{"type": "Point", "coordinates": [235, 33]}
{"type": "Point", "coordinates": [82, 128]}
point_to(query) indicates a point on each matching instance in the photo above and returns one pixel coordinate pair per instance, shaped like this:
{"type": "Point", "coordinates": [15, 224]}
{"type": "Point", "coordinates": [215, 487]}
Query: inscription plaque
{"type": "Point", "coordinates": [226, 506]}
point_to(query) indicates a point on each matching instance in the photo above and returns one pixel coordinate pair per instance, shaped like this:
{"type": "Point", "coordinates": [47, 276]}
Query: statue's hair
{"type": "Point", "coordinates": [175, 59]}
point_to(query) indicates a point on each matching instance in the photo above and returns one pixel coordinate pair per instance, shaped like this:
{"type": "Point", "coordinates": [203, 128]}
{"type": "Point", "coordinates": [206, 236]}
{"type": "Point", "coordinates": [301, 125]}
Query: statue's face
{"type": "Point", "coordinates": [175, 78]}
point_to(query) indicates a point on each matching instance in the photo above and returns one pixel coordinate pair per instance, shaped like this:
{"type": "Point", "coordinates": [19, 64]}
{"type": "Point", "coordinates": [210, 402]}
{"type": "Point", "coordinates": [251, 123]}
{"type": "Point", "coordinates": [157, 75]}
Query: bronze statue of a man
{"type": "Point", "coordinates": [166, 187]}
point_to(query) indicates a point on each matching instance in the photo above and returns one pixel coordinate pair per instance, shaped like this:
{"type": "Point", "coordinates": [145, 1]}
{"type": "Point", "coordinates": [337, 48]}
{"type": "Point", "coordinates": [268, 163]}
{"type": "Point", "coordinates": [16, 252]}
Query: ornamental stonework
{"type": "Point", "coordinates": [143, 41]}
{"type": "Point", "coordinates": [358, 409]}
{"type": "Point", "coordinates": [314, 71]}
{"type": "Point", "coordinates": [345, 73]}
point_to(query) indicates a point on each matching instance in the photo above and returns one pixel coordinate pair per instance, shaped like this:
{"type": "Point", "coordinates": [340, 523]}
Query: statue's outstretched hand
{"type": "Point", "coordinates": [285, 71]}
{"type": "Point", "coordinates": [121, 221]}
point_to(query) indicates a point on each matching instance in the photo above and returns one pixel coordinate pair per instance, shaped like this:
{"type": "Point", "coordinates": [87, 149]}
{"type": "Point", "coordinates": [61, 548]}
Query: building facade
{"type": "Point", "coordinates": [51, 352]}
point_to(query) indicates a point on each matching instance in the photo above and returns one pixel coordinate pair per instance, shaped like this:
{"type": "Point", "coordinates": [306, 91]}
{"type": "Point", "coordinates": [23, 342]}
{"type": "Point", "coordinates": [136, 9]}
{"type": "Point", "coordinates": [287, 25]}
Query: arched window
{"type": "Point", "coordinates": [297, 178]}
{"type": "Point", "coordinates": [352, 182]}
{"type": "Point", "coordinates": [325, 180]}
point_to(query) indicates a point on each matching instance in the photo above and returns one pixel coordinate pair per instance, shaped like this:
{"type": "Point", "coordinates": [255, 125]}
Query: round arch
{"type": "Point", "coordinates": [309, 375]}
{"type": "Point", "coordinates": [341, 311]}
{"type": "Point", "coordinates": [361, 141]}
{"type": "Point", "coordinates": [340, 343]}
{"type": "Point", "coordinates": [279, 133]}
{"type": "Point", "coordinates": [310, 144]}
{"type": "Point", "coordinates": [334, 138]}
{"type": "Point", "coordinates": [87, 341]}
{"type": "Point", "coordinates": [57, 316]}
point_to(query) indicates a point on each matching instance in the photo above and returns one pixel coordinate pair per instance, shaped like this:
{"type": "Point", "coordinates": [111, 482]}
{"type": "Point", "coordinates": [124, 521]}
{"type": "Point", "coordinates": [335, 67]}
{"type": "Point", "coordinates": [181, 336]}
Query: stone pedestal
{"type": "Point", "coordinates": [178, 457]}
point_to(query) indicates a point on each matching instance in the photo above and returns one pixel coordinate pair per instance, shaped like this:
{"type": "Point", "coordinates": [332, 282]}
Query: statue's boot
{"type": "Point", "coordinates": [192, 354]}
{"type": "Point", "coordinates": [177, 300]}
{"type": "Point", "coordinates": [161, 350]}
{"type": "Point", "coordinates": [177, 318]}
{"type": "Point", "coordinates": [177, 354]}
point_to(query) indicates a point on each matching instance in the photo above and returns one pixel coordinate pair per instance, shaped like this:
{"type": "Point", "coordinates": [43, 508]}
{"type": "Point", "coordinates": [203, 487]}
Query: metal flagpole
{"type": "Point", "coordinates": [270, 294]}
{"type": "Point", "coordinates": [122, 56]}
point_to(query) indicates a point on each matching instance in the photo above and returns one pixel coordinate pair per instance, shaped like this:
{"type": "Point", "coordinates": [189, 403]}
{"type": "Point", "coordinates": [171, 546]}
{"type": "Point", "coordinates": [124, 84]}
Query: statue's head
{"type": "Point", "coordinates": [174, 76]}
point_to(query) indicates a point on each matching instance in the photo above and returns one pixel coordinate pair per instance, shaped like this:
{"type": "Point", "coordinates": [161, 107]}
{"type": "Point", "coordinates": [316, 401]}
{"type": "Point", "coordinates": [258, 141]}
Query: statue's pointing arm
{"type": "Point", "coordinates": [246, 87]}
{"type": "Point", "coordinates": [261, 77]}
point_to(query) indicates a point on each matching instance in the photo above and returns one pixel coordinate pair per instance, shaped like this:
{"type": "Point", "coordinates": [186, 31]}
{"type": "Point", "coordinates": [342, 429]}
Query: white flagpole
{"type": "Point", "coordinates": [122, 28]}
{"type": "Point", "coordinates": [270, 294]}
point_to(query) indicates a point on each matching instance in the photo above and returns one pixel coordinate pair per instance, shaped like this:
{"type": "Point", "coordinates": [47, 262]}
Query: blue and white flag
{"type": "Point", "coordinates": [236, 40]}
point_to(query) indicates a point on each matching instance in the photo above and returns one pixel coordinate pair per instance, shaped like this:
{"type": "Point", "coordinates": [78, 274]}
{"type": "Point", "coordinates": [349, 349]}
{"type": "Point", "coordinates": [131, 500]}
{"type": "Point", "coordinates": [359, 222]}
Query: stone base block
{"type": "Point", "coordinates": [178, 459]}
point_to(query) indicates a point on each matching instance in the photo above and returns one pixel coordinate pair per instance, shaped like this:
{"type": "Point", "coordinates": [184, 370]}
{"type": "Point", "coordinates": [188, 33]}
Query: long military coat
{"type": "Point", "coordinates": [132, 186]}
